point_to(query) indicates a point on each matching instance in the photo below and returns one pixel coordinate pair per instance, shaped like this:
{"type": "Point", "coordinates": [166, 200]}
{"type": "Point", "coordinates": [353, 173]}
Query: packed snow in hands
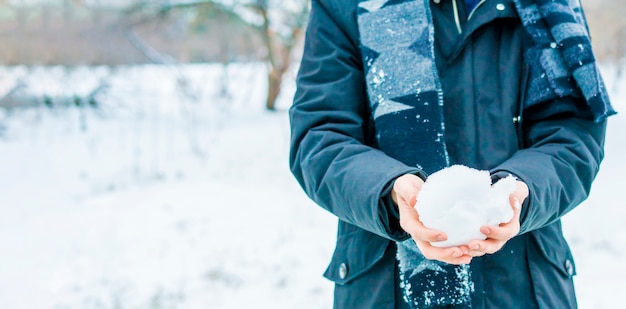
{"type": "Point", "coordinates": [458, 200]}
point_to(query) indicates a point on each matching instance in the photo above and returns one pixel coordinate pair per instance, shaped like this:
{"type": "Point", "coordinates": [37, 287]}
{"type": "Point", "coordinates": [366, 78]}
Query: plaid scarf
{"type": "Point", "coordinates": [406, 100]}
{"type": "Point", "coordinates": [561, 60]}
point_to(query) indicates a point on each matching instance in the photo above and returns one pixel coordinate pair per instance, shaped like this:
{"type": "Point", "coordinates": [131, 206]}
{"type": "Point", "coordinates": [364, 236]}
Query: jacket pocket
{"type": "Point", "coordinates": [355, 253]}
{"type": "Point", "coordinates": [551, 268]}
{"type": "Point", "coordinates": [555, 249]}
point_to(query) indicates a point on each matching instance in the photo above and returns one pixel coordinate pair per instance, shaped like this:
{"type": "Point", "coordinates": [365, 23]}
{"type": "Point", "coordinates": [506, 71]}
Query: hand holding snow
{"type": "Point", "coordinates": [458, 200]}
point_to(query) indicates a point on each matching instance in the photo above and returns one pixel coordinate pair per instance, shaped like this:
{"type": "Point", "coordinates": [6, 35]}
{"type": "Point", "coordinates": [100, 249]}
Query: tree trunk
{"type": "Point", "coordinates": [275, 78]}
{"type": "Point", "coordinates": [278, 52]}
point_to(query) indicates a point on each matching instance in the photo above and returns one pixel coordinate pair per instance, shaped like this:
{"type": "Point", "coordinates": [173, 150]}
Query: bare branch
{"type": "Point", "coordinates": [150, 53]}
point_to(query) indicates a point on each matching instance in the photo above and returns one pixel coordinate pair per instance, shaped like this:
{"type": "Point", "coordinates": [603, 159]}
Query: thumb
{"type": "Point", "coordinates": [405, 189]}
{"type": "Point", "coordinates": [521, 191]}
{"type": "Point", "coordinates": [413, 199]}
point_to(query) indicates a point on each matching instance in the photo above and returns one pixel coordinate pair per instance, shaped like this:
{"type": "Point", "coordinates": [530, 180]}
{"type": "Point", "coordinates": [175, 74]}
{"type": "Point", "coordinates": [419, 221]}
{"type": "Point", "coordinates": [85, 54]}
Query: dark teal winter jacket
{"type": "Point", "coordinates": [483, 75]}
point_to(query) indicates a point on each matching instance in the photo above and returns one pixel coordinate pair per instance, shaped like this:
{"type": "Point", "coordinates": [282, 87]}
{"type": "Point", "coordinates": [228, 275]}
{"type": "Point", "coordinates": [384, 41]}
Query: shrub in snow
{"type": "Point", "coordinates": [458, 200]}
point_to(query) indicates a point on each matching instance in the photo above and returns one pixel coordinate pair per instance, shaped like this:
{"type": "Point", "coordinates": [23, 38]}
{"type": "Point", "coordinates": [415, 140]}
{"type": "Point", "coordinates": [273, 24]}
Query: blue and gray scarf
{"type": "Point", "coordinates": [407, 103]}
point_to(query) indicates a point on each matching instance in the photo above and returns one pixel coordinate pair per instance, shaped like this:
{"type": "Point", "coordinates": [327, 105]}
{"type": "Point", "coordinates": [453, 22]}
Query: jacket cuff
{"type": "Point", "coordinates": [390, 210]}
{"type": "Point", "coordinates": [497, 175]}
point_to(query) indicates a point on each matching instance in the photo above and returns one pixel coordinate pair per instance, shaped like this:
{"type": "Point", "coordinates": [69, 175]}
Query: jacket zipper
{"type": "Point", "coordinates": [457, 19]}
{"type": "Point", "coordinates": [518, 119]}
{"type": "Point", "coordinates": [474, 9]}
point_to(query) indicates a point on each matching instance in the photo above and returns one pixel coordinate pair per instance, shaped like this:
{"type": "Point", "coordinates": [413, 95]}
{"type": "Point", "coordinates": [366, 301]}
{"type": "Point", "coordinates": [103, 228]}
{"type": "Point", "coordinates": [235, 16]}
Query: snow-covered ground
{"type": "Point", "coordinates": [178, 195]}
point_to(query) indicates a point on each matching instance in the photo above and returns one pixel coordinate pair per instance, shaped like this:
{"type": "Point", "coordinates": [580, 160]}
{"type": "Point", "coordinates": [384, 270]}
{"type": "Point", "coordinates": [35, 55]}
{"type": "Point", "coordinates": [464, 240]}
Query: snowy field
{"type": "Point", "coordinates": [175, 192]}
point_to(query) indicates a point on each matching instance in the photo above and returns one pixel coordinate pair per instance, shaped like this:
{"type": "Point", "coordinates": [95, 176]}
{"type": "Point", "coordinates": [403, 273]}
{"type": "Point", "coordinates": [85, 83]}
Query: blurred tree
{"type": "Point", "coordinates": [279, 42]}
{"type": "Point", "coordinates": [71, 32]}
{"type": "Point", "coordinates": [279, 23]}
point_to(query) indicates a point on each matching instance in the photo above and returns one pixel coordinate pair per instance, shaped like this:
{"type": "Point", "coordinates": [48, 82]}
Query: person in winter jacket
{"type": "Point", "coordinates": [390, 91]}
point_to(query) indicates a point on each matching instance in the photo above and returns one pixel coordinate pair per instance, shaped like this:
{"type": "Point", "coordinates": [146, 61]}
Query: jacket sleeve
{"type": "Point", "coordinates": [331, 150]}
{"type": "Point", "coordinates": [561, 158]}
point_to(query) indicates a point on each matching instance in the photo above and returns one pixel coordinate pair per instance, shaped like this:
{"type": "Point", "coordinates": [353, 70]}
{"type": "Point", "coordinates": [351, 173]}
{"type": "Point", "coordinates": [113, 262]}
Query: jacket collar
{"type": "Point", "coordinates": [484, 13]}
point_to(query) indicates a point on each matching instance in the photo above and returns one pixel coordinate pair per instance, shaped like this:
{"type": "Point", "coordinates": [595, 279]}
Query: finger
{"type": "Point", "coordinates": [474, 253]}
{"type": "Point", "coordinates": [508, 230]}
{"type": "Point", "coordinates": [466, 259]}
{"type": "Point", "coordinates": [451, 255]}
{"type": "Point", "coordinates": [408, 200]}
{"type": "Point", "coordinates": [521, 191]}
{"type": "Point", "coordinates": [517, 208]}
{"type": "Point", "coordinates": [410, 222]}
{"type": "Point", "coordinates": [405, 188]}
{"type": "Point", "coordinates": [465, 249]}
{"type": "Point", "coordinates": [503, 232]}
{"type": "Point", "coordinates": [487, 246]}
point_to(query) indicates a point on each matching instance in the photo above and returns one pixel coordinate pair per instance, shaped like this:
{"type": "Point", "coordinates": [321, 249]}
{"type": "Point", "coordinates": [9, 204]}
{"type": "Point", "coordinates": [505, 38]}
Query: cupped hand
{"type": "Point", "coordinates": [404, 194]}
{"type": "Point", "coordinates": [497, 236]}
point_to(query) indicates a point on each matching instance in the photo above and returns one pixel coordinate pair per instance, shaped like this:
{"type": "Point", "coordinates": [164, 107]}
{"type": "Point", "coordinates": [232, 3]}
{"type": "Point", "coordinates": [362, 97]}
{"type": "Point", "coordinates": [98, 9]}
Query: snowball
{"type": "Point", "coordinates": [458, 200]}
